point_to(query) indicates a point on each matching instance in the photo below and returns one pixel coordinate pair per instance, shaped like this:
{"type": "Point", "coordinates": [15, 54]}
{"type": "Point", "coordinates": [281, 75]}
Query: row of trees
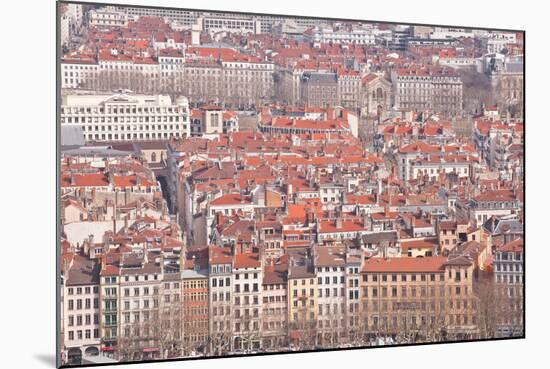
{"type": "Point", "coordinates": [166, 335]}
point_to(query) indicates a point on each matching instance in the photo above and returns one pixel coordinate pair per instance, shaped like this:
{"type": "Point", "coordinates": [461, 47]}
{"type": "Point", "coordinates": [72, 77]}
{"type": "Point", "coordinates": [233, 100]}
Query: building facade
{"type": "Point", "coordinates": [123, 117]}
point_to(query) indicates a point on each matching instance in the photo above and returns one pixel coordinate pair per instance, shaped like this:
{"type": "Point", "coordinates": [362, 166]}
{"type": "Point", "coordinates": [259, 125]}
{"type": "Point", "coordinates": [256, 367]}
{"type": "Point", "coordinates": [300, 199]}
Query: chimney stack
{"type": "Point", "coordinates": [365, 220]}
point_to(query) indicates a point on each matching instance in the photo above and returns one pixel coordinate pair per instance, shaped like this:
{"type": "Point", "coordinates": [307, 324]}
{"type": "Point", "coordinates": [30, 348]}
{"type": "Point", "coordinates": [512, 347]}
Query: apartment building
{"type": "Point", "coordinates": [353, 298]}
{"type": "Point", "coordinates": [221, 302]}
{"type": "Point", "coordinates": [275, 306]}
{"type": "Point", "coordinates": [428, 89]}
{"type": "Point", "coordinates": [79, 71]}
{"type": "Point", "coordinates": [247, 294]}
{"type": "Point", "coordinates": [302, 301]}
{"type": "Point", "coordinates": [432, 167]}
{"type": "Point", "coordinates": [349, 89]}
{"type": "Point", "coordinates": [126, 117]}
{"type": "Point", "coordinates": [195, 294]}
{"type": "Point", "coordinates": [344, 36]}
{"type": "Point", "coordinates": [247, 81]}
{"type": "Point", "coordinates": [235, 24]}
{"type": "Point", "coordinates": [498, 203]}
{"type": "Point", "coordinates": [419, 158]}
{"type": "Point", "coordinates": [107, 18]}
{"type": "Point", "coordinates": [141, 322]}
{"type": "Point", "coordinates": [81, 310]}
{"type": "Point", "coordinates": [109, 307]}
{"type": "Point", "coordinates": [330, 267]}
{"type": "Point", "coordinates": [319, 89]}
{"type": "Point", "coordinates": [171, 309]}
{"type": "Point", "coordinates": [509, 281]}
{"type": "Point", "coordinates": [430, 297]}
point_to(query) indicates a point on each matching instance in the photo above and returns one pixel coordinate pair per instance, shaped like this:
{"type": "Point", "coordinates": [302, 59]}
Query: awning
{"type": "Point", "coordinates": [151, 349]}
{"type": "Point", "coordinates": [295, 335]}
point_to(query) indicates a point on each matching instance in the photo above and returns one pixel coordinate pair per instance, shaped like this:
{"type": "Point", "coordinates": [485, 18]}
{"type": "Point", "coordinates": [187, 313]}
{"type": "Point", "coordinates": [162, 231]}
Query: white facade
{"type": "Point", "coordinates": [123, 117]}
{"type": "Point", "coordinates": [440, 93]}
{"type": "Point", "coordinates": [275, 311]}
{"type": "Point", "coordinates": [81, 313]}
{"type": "Point", "coordinates": [433, 169]}
{"type": "Point", "coordinates": [221, 305]}
{"type": "Point", "coordinates": [106, 18]}
{"type": "Point", "coordinates": [354, 36]}
{"type": "Point", "coordinates": [74, 74]}
{"type": "Point", "coordinates": [232, 25]}
{"type": "Point", "coordinates": [248, 307]}
{"type": "Point", "coordinates": [447, 32]}
{"type": "Point", "coordinates": [331, 300]}
{"type": "Point", "coordinates": [74, 11]}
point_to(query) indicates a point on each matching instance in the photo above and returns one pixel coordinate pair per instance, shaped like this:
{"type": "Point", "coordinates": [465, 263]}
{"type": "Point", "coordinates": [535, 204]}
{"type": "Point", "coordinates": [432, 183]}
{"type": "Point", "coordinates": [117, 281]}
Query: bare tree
{"type": "Point", "coordinates": [477, 90]}
{"type": "Point", "coordinates": [304, 330]}
{"type": "Point", "coordinates": [487, 308]}
{"type": "Point", "coordinates": [220, 343]}
{"type": "Point", "coordinates": [170, 336]}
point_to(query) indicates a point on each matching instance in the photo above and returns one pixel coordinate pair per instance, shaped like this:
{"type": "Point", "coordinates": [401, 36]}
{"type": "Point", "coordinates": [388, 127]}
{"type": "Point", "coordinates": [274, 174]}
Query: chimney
{"type": "Point", "coordinates": [379, 192]}
{"type": "Point", "coordinates": [338, 222]}
{"type": "Point", "coordinates": [365, 220]}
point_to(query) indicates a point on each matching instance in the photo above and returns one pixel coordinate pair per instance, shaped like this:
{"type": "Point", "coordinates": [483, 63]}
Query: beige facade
{"type": "Point", "coordinates": [431, 297]}
{"type": "Point", "coordinates": [275, 308]}
{"type": "Point", "coordinates": [302, 306]}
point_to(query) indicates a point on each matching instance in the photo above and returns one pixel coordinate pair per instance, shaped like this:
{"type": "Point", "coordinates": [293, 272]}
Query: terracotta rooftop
{"type": "Point", "coordinates": [432, 264]}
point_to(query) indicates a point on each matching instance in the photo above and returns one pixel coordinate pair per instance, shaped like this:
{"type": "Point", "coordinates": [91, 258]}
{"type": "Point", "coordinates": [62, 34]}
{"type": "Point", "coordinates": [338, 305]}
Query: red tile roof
{"type": "Point", "coordinates": [247, 260]}
{"type": "Point", "coordinates": [432, 264]}
{"type": "Point", "coordinates": [229, 199]}
{"type": "Point", "coordinates": [513, 246]}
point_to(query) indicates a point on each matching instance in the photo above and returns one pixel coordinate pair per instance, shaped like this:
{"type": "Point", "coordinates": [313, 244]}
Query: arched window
{"type": "Point", "coordinates": [154, 157]}
{"type": "Point", "coordinates": [74, 356]}
{"type": "Point", "coordinates": [92, 351]}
